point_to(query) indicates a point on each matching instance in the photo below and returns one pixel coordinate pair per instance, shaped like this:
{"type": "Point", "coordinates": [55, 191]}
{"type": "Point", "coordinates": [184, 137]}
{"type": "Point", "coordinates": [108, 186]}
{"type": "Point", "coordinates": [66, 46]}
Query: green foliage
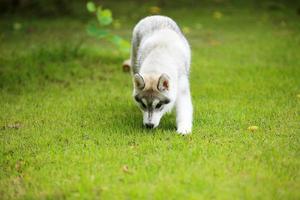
{"type": "Point", "coordinates": [93, 30]}
{"type": "Point", "coordinates": [17, 26]}
{"type": "Point", "coordinates": [102, 29]}
{"type": "Point", "coordinates": [104, 16]}
{"type": "Point", "coordinates": [120, 42]}
{"type": "Point", "coordinates": [91, 7]}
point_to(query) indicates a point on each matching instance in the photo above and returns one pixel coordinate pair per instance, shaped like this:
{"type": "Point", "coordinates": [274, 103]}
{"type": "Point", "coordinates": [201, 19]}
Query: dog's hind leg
{"type": "Point", "coordinates": [126, 65]}
{"type": "Point", "coordinates": [184, 107]}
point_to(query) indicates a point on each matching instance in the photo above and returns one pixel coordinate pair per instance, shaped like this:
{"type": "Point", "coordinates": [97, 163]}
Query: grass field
{"type": "Point", "coordinates": [69, 128]}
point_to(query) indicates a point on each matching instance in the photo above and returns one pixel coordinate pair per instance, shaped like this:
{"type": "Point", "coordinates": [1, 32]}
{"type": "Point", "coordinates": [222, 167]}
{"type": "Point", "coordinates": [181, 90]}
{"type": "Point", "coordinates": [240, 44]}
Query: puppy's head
{"type": "Point", "coordinates": [151, 93]}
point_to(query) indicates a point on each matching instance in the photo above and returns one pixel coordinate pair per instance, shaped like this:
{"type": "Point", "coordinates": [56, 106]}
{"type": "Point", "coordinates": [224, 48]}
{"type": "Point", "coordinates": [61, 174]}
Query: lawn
{"type": "Point", "coordinates": [69, 128]}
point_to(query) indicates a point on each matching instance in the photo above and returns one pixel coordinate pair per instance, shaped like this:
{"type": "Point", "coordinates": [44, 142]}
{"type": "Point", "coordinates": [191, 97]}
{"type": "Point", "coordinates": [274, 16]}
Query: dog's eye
{"type": "Point", "coordinates": [143, 105]}
{"type": "Point", "coordinates": [158, 106]}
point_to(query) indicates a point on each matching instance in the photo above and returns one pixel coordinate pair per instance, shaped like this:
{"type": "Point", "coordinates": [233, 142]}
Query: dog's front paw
{"type": "Point", "coordinates": [184, 129]}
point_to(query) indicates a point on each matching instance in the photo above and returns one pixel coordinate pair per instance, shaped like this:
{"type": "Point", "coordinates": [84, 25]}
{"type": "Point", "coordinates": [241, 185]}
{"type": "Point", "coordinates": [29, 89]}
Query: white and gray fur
{"type": "Point", "coordinates": [161, 52]}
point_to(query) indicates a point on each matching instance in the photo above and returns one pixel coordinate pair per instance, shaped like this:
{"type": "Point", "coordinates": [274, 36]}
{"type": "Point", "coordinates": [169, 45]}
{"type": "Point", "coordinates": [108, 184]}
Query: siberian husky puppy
{"type": "Point", "coordinates": [160, 65]}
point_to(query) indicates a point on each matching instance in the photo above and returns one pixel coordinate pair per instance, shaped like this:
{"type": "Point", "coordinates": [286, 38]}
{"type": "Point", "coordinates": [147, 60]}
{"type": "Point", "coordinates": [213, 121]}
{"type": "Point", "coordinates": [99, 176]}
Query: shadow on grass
{"type": "Point", "coordinates": [123, 118]}
{"type": "Point", "coordinates": [133, 123]}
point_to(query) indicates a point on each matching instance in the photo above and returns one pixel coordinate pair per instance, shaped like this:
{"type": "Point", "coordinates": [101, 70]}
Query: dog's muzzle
{"type": "Point", "coordinates": [149, 125]}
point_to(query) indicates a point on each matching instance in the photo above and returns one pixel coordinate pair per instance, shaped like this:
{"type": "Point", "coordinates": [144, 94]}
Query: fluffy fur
{"type": "Point", "coordinates": [160, 61]}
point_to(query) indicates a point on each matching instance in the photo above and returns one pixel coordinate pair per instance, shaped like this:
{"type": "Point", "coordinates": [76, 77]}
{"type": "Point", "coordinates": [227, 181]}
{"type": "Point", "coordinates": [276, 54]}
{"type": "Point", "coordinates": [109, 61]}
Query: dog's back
{"type": "Point", "coordinates": [151, 24]}
{"type": "Point", "coordinates": [164, 31]}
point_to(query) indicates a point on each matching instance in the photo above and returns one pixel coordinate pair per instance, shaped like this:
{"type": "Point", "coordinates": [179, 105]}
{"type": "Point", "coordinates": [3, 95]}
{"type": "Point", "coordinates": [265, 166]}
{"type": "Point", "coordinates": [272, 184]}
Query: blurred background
{"type": "Point", "coordinates": [50, 8]}
{"type": "Point", "coordinates": [55, 31]}
{"type": "Point", "coordinates": [69, 29]}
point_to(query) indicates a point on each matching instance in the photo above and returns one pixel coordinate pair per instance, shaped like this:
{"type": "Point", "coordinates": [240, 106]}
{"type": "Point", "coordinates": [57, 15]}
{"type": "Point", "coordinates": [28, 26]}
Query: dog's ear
{"type": "Point", "coordinates": [139, 81]}
{"type": "Point", "coordinates": [163, 83]}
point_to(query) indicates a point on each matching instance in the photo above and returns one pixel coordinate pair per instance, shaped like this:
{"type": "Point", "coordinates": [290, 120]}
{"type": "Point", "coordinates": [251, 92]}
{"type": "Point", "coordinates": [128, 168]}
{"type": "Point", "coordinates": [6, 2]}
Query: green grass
{"type": "Point", "coordinates": [69, 126]}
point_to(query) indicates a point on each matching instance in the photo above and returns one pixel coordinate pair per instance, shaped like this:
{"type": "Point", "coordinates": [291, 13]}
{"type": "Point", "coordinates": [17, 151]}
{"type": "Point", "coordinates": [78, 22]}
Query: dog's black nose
{"type": "Point", "coordinates": [149, 125]}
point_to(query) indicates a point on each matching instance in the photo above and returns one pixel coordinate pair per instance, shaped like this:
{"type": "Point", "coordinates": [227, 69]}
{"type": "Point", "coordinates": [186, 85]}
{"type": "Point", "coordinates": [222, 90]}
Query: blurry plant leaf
{"type": "Point", "coordinates": [186, 30]}
{"type": "Point", "coordinates": [116, 24]}
{"type": "Point", "coordinates": [98, 12]}
{"type": "Point", "coordinates": [91, 6]}
{"type": "Point", "coordinates": [154, 10]}
{"type": "Point", "coordinates": [125, 46]}
{"type": "Point", "coordinates": [93, 30]}
{"type": "Point", "coordinates": [217, 15]}
{"type": "Point", "coordinates": [121, 43]}
{"type": "Point", "coordinates": [116, 40]}
{"type": "Point", "coordinates": [17, 26]}
{"type": "Point", "coordinates": [104, 16]}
